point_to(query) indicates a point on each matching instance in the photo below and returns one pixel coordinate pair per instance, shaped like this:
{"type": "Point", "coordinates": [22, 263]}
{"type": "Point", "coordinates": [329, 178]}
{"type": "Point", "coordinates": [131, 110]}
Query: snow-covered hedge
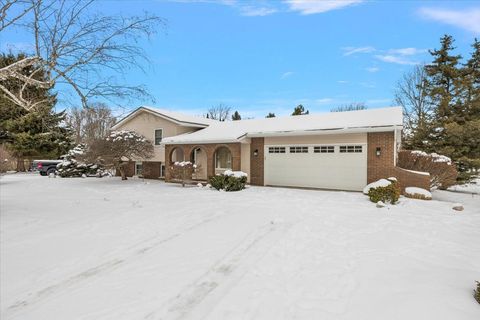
{"type": "Point", "coordinates": [383, 190]}
{"type": "Point", "coordinates": [418, 193]}
{"type": "Point", "coordinates": [183, 171]}
{"type": "Point", "coordinates": [71, 166]}
{"type": "Point", "coordinates": [443, 172]}
{"type": "Point", "coordinates": [229, 181]}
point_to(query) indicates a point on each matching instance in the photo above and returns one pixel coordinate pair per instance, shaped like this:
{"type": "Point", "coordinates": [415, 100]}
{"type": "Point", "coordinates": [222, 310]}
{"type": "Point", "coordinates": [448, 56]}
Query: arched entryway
{"type": "Point", "coordinates": [177, 155]}
{"type": "Point", "coordinates": [198, 156]}
{"type": "Point", "coordinates": [222, 159]}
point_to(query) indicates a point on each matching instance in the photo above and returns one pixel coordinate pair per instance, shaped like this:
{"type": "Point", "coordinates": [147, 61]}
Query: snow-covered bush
{"type": "Point", "coordinates": [229, 181]}
{"type": "Point", "coordinates": [476, 293]}
{"type": "Point", "coordinates": [386, 191]}
{"type": "Point", "coordinates": [417, 193]}
{"type": "Point", "coordinates": [183, 171]}
{"type": "Point", "coordinates": [73, 166]}
{"type": "Point", "coordinates": [443, 172]}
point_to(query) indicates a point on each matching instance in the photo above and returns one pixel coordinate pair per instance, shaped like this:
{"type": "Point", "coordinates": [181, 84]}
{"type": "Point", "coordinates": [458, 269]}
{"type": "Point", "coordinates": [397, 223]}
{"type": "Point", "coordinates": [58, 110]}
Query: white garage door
{"type": "Point", "coordinates": [342, 166]}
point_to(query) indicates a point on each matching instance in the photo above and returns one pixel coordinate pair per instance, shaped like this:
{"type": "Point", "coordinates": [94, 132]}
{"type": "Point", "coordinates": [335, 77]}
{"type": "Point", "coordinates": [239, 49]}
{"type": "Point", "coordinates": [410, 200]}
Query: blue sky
{"type": "Point", "coordinates": [269, 56]}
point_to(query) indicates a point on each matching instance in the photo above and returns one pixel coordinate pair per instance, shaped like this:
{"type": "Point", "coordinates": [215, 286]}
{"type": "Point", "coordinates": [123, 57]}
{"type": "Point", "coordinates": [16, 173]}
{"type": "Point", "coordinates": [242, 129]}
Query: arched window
{"type": "Point", "coordinates": [223, 158]}
{"type": "Point", "coordinates": [177, 155]}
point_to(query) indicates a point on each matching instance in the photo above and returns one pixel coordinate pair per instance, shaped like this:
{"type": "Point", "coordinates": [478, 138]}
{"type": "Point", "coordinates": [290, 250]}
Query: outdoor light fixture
{"type": "Point", "coordinates": [378, 151]}
{"type": "Point", "coordinates": [255, 152]}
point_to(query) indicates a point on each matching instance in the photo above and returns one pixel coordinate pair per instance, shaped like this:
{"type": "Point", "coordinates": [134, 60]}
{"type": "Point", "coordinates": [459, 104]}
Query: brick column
{"type": "Point", "coordinates": [257, 161]}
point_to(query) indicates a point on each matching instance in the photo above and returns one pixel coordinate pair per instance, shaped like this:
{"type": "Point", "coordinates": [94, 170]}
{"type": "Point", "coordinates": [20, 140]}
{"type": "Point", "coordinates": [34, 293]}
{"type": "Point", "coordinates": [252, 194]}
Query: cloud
{"type": "Point", "coordinates": [372, 69]}
{"type": "Point", "coordinates": [395, 59]}
{"type": "Point", "coordinates": [324, 101]}
{"type": "Point", "coordinates": [342, 81]}
{"type": "Point", "coordinates": [468, 19]}
{"type": "Point", "coordinates": [354, 50]}
{"type": "Point", "coordinates": [251, 11]}
{"type": "Point", "coordinates": [407, 51]}
{"type": "Point", "coordinates": [287, 74]}
{"type": "Point", "coordinates": [312, 7]}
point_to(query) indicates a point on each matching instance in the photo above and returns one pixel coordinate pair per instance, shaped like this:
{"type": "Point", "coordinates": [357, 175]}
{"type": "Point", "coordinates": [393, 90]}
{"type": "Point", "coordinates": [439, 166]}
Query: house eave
{"type": "Point", "coordinates": [158, 114]}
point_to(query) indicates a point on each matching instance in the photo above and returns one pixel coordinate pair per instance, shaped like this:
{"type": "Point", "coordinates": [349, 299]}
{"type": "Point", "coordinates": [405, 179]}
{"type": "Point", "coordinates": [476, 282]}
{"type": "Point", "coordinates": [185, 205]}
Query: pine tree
{"type": "Point", "coordinates": [299, 110]}
{"type": "Point", "coordinates": [442, 82]}
{"type": "Point", "coordinates": [270, 115]}
{"type": "Point", "coordinates": [38, 133]}
{"type": "Point", "coordinates": [236, 116]}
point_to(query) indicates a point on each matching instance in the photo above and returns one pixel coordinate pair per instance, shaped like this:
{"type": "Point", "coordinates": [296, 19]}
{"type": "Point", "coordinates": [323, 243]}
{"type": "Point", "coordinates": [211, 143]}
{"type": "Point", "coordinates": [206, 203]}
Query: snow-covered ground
{"type": "Point", "coordinates": [110, 249]}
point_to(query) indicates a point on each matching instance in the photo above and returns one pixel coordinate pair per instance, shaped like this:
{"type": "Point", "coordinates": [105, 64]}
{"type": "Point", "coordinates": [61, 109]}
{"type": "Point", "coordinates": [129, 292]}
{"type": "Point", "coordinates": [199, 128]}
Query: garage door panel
{"type": "Point", "coordinates": [343, 171]}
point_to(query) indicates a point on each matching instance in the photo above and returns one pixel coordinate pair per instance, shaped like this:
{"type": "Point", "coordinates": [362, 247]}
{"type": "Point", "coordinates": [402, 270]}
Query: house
{"type": "Point", "coordinates": [338, 150]}
{"type": "Point", "coordinates": [156, 124]}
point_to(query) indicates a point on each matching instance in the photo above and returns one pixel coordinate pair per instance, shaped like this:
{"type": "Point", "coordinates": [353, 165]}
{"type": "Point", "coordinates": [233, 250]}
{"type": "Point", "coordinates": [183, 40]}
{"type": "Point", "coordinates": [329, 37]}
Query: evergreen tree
{"type": "Point", "coordinates": [442, 83]}
{"type": "Point", "coordinates": [236, 116]}
{"type": "Point", "coordinates": [270, 115]}
{"type": "Point", "coordinates": [299, 110]}
{"type": "Point", "coordinates": [38, 133]}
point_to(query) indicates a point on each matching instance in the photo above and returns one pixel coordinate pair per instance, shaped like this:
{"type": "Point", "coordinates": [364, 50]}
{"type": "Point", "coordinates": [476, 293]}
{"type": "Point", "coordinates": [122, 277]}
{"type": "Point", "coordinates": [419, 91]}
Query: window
{"type": "Point", "coordinates": [298, 149]}
{"type": "Point", "coordinates": [162, 171]}
{"type": "Point", "coordinates": [223, 158]}
{"type": "Point", "coordinates": [324, 149]}
{"type": "Point", "coordinates": [351, 149]}
{"type": "Point", "coordinates": [276, 150]}
{"type": "Point", "coordinates": [158, 136]}
{"type": "Point", "coordinates": [138, 168]}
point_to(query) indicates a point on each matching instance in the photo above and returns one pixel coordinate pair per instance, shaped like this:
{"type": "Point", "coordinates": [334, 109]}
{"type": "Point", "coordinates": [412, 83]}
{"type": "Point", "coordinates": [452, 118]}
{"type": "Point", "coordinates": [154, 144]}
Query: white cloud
{"type": "Point", "coordinates": [468, 19]}
{"type": "Point", "coordinates": [252, 11]}
{"type": "Point", "coordinates": [395, 59]}
{"type": "Point", "coordinates": [407, 51]}
{"type": "Point", "coordinates": [287, 74]}
{"type": "Point", "coordinates": [354, 50]}
{"type": "Point", "coordinates": [324, 101]}
{"type": "Point", "coordinates": [372, 69]}
{"type": "Point", "coordinates": [319, 6]}
{"type": "Point", "coordinates": [342, 81]}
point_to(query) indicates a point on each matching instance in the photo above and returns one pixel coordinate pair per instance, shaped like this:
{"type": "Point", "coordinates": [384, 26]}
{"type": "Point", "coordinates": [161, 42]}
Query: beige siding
{"type": "Point", "coordinates": [245, 159]}
{"type": "Point", "coordinates": [318, 139]}
{"type": "Point", "coordinates": [146, 123]}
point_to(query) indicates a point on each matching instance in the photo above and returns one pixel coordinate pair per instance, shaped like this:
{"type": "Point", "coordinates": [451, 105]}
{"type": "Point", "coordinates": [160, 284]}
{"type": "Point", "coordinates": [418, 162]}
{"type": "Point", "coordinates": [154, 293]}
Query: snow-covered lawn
{"type": "Point", "coordinates": [107, 249]}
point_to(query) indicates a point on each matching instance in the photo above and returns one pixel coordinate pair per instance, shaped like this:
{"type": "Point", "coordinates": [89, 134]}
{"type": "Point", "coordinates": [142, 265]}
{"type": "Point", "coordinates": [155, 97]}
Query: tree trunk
{"type": "Point", "coordinates": [20, 164]}
{"type": "Point", "coordinates": [122, 172]}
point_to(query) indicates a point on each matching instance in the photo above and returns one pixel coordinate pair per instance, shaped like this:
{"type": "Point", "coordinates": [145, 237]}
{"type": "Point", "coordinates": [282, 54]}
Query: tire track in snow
{"type": "Point", "coordinates": [108, 266]}
{"type": "Point", "coordinates": [222, 275]}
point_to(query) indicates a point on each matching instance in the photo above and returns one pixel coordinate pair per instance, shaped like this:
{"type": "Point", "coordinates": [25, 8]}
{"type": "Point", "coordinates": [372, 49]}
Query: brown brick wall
{"type": "Point", "coordinates": [210, 149]}
{"type": "Point", "coordinates": [151, 169]}
{"type": "Point", "coordinates": [257, 162]}
{"type": "Point", "coordinates": [129, 169]}
{"type": "Point", "coordinates": [383, 166]}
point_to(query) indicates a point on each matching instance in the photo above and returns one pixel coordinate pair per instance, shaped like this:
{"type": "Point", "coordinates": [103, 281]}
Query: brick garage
{"type": "Point", "coordinates": [383, 165]}
{"type": "Point", "coordinates": [209, 148]}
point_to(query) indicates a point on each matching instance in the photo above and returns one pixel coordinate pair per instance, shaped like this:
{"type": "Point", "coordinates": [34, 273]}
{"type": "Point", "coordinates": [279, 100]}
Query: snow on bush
{"type": "Point", "coordinates": [183, 171]}
{"type": "Point", "coordinates": [417, 193]}
{"type": "Point", "coordinates": [376, 184]}
{"type": "Point", "coordinates": [72, 166]}
{"type": "Point", "coordinates": [443, 173]}
{"type": "Point", "coordinates": [383, 190]}
{"type": "Point", "coordinates": [229, 181]}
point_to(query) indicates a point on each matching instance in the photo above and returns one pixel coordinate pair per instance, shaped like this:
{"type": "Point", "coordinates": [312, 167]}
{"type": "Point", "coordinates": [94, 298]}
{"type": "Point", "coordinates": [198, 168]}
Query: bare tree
{"type": "Point", "coordinates": [118, 149]}
{"type": "Point", "coordinates": [410, 93]}
{"type": "Point", "coordinates": [353, 106]}
{"type": "Point", "coordinates": [219, 112]}
{"type": "Point", "coordinates": [91, 123]}
{"type": "Point", "coordinates": [75, 48]}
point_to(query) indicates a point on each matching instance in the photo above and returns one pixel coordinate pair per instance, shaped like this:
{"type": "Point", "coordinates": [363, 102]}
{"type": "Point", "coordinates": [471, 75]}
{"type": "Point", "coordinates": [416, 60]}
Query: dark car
{"type": "Point", "coordinates": [45, 167]}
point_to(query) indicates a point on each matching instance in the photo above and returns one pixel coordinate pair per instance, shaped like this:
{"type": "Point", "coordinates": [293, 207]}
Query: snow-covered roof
{"type": "Point", "coordinates": [382, 119]}
{"type": "Point", "coordinates": [176, 117]}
